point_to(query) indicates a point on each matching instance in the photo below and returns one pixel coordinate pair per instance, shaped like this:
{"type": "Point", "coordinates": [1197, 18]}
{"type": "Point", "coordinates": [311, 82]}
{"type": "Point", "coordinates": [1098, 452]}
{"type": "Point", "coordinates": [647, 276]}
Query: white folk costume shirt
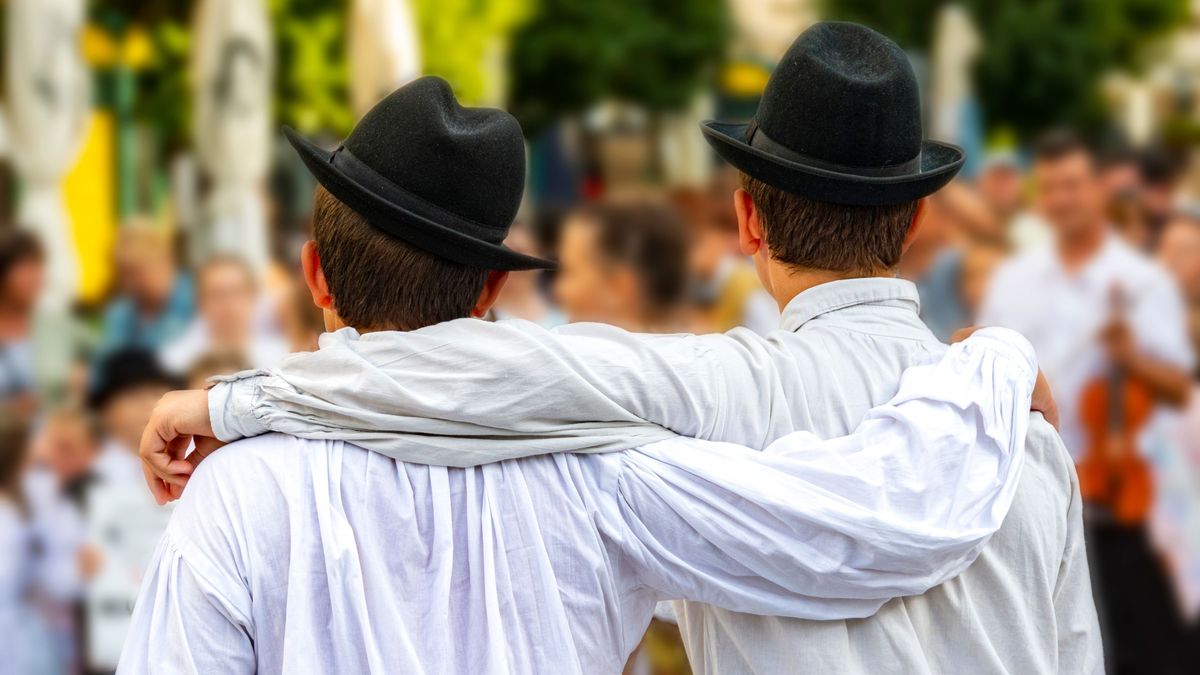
{"type": "Point", "coordinates": [1063, 312]}
{"type": "Point", "coordinates": [290, 555]}
{"type": "Point", "coordinates": [1025, 606]}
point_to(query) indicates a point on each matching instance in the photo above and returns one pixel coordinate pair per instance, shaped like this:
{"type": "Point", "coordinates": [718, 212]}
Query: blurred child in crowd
{"type": "Point", "coordinates": [624, 263]}
{"type": "Point", "coordinates": [36, 575]}
{"type": "Point", "coordinates": [231, 319]}
{"type": "Point", "coordinates": [216, 364]}
{"type": "Point", "coordinates": [128, 385]}
{"type": "Point", "coordinates": [21, 273]}
{"type": "Point", "coordinates": [725, 287]}
{"type": "Point", "coordinates": [67, 448]}
{"type": "Point", "coordinates": [154, 302]}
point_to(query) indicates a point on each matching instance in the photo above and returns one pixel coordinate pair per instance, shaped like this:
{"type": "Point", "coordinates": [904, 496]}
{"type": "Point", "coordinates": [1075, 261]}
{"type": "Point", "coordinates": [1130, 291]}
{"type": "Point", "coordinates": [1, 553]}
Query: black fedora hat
{"type": "Point", "coordinates": [424, 169]}
{"type": "Point", "coordinates": [840, 121]}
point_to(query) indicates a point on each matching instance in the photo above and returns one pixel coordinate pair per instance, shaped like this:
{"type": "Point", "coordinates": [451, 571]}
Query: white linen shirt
{"type": "Point", "coordinates": [289, 555]}
{"type": "Point", "coordinates": [1024, 607]}
{"type": "Point", "coordinates": [1062, 314]}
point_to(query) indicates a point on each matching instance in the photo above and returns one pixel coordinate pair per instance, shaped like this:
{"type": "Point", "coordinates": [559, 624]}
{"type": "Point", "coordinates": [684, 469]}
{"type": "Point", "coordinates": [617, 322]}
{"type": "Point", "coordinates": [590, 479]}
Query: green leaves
{"type": "Point", "coordinates": [1042, 59]}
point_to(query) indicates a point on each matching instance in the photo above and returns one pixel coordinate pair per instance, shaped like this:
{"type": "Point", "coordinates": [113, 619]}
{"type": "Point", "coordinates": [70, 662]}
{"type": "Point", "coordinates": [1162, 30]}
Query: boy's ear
{"type": "Point", "coordinates": [314, 276]}
{"type": "Point", "coordinates": [750, 234]}
{"type": "Point", "coordinates": [489, 294]}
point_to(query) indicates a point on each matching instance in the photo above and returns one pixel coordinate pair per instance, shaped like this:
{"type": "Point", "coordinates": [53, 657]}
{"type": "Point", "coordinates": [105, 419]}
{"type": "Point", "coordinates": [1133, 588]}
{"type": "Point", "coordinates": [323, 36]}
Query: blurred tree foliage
{"type": "Point", "coordinates": [573, 53]}
{"type": "Point", "coordinates": [459, 38]}
{"type": "Point", "coordinates": [1042, 58]}
{"type": "Point", "coordinates": [311, 72]}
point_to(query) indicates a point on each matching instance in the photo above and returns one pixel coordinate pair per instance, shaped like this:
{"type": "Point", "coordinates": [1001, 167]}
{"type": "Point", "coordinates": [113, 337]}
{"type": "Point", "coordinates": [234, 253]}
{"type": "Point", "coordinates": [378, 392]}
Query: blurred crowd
{"type": "Point", "coordinates": [1093, 253]}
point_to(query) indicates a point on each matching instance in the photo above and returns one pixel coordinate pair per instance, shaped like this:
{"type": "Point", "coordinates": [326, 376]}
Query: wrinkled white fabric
{"type": "Point", "coordinates": [446, 394]}
{"type": "Point", "coordinates": [288, 555]}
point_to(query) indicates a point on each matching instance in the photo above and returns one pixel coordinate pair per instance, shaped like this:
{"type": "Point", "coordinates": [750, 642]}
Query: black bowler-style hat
{"type": "Point", "coordinates": [441, 177]}
{"type": "Point", "coordinates": [840, 122]}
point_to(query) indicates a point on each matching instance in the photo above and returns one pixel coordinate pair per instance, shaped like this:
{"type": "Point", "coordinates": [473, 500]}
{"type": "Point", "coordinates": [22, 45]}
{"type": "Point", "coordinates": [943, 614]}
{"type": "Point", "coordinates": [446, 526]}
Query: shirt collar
{"type": "Point", "coordinates": [836, 295]}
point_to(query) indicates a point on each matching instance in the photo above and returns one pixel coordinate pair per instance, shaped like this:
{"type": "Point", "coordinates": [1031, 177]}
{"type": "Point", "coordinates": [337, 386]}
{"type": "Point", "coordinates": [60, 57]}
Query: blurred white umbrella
{"type": "Point", "coordinates": [384, 52]}
{"type": "Point", "coordinates": [956, 45]}
{"type": "Point", "coordinates": [49, 98]}
{"type": "Point", "coordinates": [233, 65]}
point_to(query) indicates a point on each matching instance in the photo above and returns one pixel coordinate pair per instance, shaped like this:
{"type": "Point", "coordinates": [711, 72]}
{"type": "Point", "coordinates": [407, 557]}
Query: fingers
{"type": "Point", "coordinates": [1043, 400]}
{"type": "Point", "coordinates": [157, 487]}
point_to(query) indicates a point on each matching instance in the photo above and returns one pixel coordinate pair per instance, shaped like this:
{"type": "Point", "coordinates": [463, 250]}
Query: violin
{"type": "Point", "coordinates": [1112, 472]}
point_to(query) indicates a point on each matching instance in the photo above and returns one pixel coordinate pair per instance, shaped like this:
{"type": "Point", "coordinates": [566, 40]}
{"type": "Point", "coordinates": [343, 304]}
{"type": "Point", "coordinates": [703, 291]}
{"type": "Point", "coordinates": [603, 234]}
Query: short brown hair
{"type": "Point", "coordinates": [1058, 143]}
{"type": "Point", "coordinates": [836, 237]}
{"type": "Point", "coordinates": [379, 282]}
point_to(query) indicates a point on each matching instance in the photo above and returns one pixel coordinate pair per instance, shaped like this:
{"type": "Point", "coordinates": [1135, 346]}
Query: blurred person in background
{"type": "Point", "coordinates": [229, 319]}
{"type": "Point", "coordinates": [1001, 186]}
{"type": "Point", "coordinates": [67, 448]}
{"type": "Point", "coordinates": [725, 288]}
{"type": "Point", "coordinates": [624, 263]}
{"type": "Point", "coordinates": [130, 382]}
{"type": "Point", "coordinates": [33, 577]}
{"type": "Point", "coordinates": [956, 222]}
{"type": "Point", "coordinates": [215, 364]}
{"type": "Point", "coordinates": [1103, 317]}
{"type": "Point", "coordinates": [22, 268]}
{"type": "Point", "coordinates": [523, 296]}
{"type": "Point", "coordinates": [303, 323]}
{"type": "Point", "coordinates": [1179, 253]}
{"type": "Point", "coordinates": [1160, 180]}
{"type": "Point", "coordinates": [155, 300]}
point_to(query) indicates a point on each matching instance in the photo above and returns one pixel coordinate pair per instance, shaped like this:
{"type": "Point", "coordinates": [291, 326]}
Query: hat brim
{"type": "Point", "coordinates": [940, 162]}
{"type": "Point", "coordinates": [405, 223]}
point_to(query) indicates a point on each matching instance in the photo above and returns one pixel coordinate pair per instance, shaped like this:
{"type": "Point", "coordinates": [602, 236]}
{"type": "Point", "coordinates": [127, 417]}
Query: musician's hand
{"type": "Point", "coordinates": [1119, 341]}
{"type": "Point", "coordinates": [1043, 399]}
{"type": "Point", "coordinates": [178, 417]}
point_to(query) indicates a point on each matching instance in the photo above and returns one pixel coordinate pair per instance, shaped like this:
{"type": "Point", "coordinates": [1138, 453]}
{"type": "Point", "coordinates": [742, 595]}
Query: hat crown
{"type": "Point", "coordinates": [468, 161]}
{"type": "Point", "coordinates": [846, 95]}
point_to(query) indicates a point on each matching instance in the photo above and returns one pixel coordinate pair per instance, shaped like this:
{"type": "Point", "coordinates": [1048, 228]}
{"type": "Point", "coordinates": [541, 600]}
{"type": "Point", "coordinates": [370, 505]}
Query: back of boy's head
{"type": "Point", "coordinates": [805, 233]}
{"type": "Point", "coordinates": [379, 282]}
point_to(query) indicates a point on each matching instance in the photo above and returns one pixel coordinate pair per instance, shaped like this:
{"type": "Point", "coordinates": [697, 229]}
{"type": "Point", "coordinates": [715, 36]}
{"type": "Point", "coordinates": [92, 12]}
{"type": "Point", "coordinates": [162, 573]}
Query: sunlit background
{"type": "Point", "coordinates": [151, 216]}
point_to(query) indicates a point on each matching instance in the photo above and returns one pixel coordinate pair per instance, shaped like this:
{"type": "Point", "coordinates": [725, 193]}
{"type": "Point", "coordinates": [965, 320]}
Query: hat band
{"type": "Point", "coordinates": [760, 141]}
{"type": "Point", "coordinates": [361, 173]}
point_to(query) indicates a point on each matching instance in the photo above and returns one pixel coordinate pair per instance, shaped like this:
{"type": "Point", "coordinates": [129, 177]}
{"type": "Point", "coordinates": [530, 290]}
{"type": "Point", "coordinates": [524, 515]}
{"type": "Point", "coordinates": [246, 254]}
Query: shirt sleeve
{"type": "Point", "coordinates": [444, 394]}
{"type": "Point", "coordinates": [832, 529]}
{"type": "Point", "coordinates": [185, 622]}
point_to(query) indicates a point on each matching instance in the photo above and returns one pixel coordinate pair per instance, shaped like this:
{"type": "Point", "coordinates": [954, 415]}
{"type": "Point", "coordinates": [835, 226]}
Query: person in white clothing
{"type": "Point", "coordinates": [849, 331]}
{"type": "Point", "coordinates": [547, 564]}
{"type": "Point", "coordinates": [1096, 308]}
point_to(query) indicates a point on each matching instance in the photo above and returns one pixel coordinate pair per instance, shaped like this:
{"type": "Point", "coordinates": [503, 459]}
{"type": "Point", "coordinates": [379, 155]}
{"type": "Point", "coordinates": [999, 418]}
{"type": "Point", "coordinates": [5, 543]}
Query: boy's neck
{"type": "Point", "coordinates": [788, 282]}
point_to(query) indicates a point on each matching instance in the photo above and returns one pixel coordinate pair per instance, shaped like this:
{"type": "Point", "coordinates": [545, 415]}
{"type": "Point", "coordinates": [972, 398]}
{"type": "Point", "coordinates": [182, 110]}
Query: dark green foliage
{"type": "Point", "coordinates": [1042, 58]}
{"type": "Point", "coordinates": [573, 53]}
